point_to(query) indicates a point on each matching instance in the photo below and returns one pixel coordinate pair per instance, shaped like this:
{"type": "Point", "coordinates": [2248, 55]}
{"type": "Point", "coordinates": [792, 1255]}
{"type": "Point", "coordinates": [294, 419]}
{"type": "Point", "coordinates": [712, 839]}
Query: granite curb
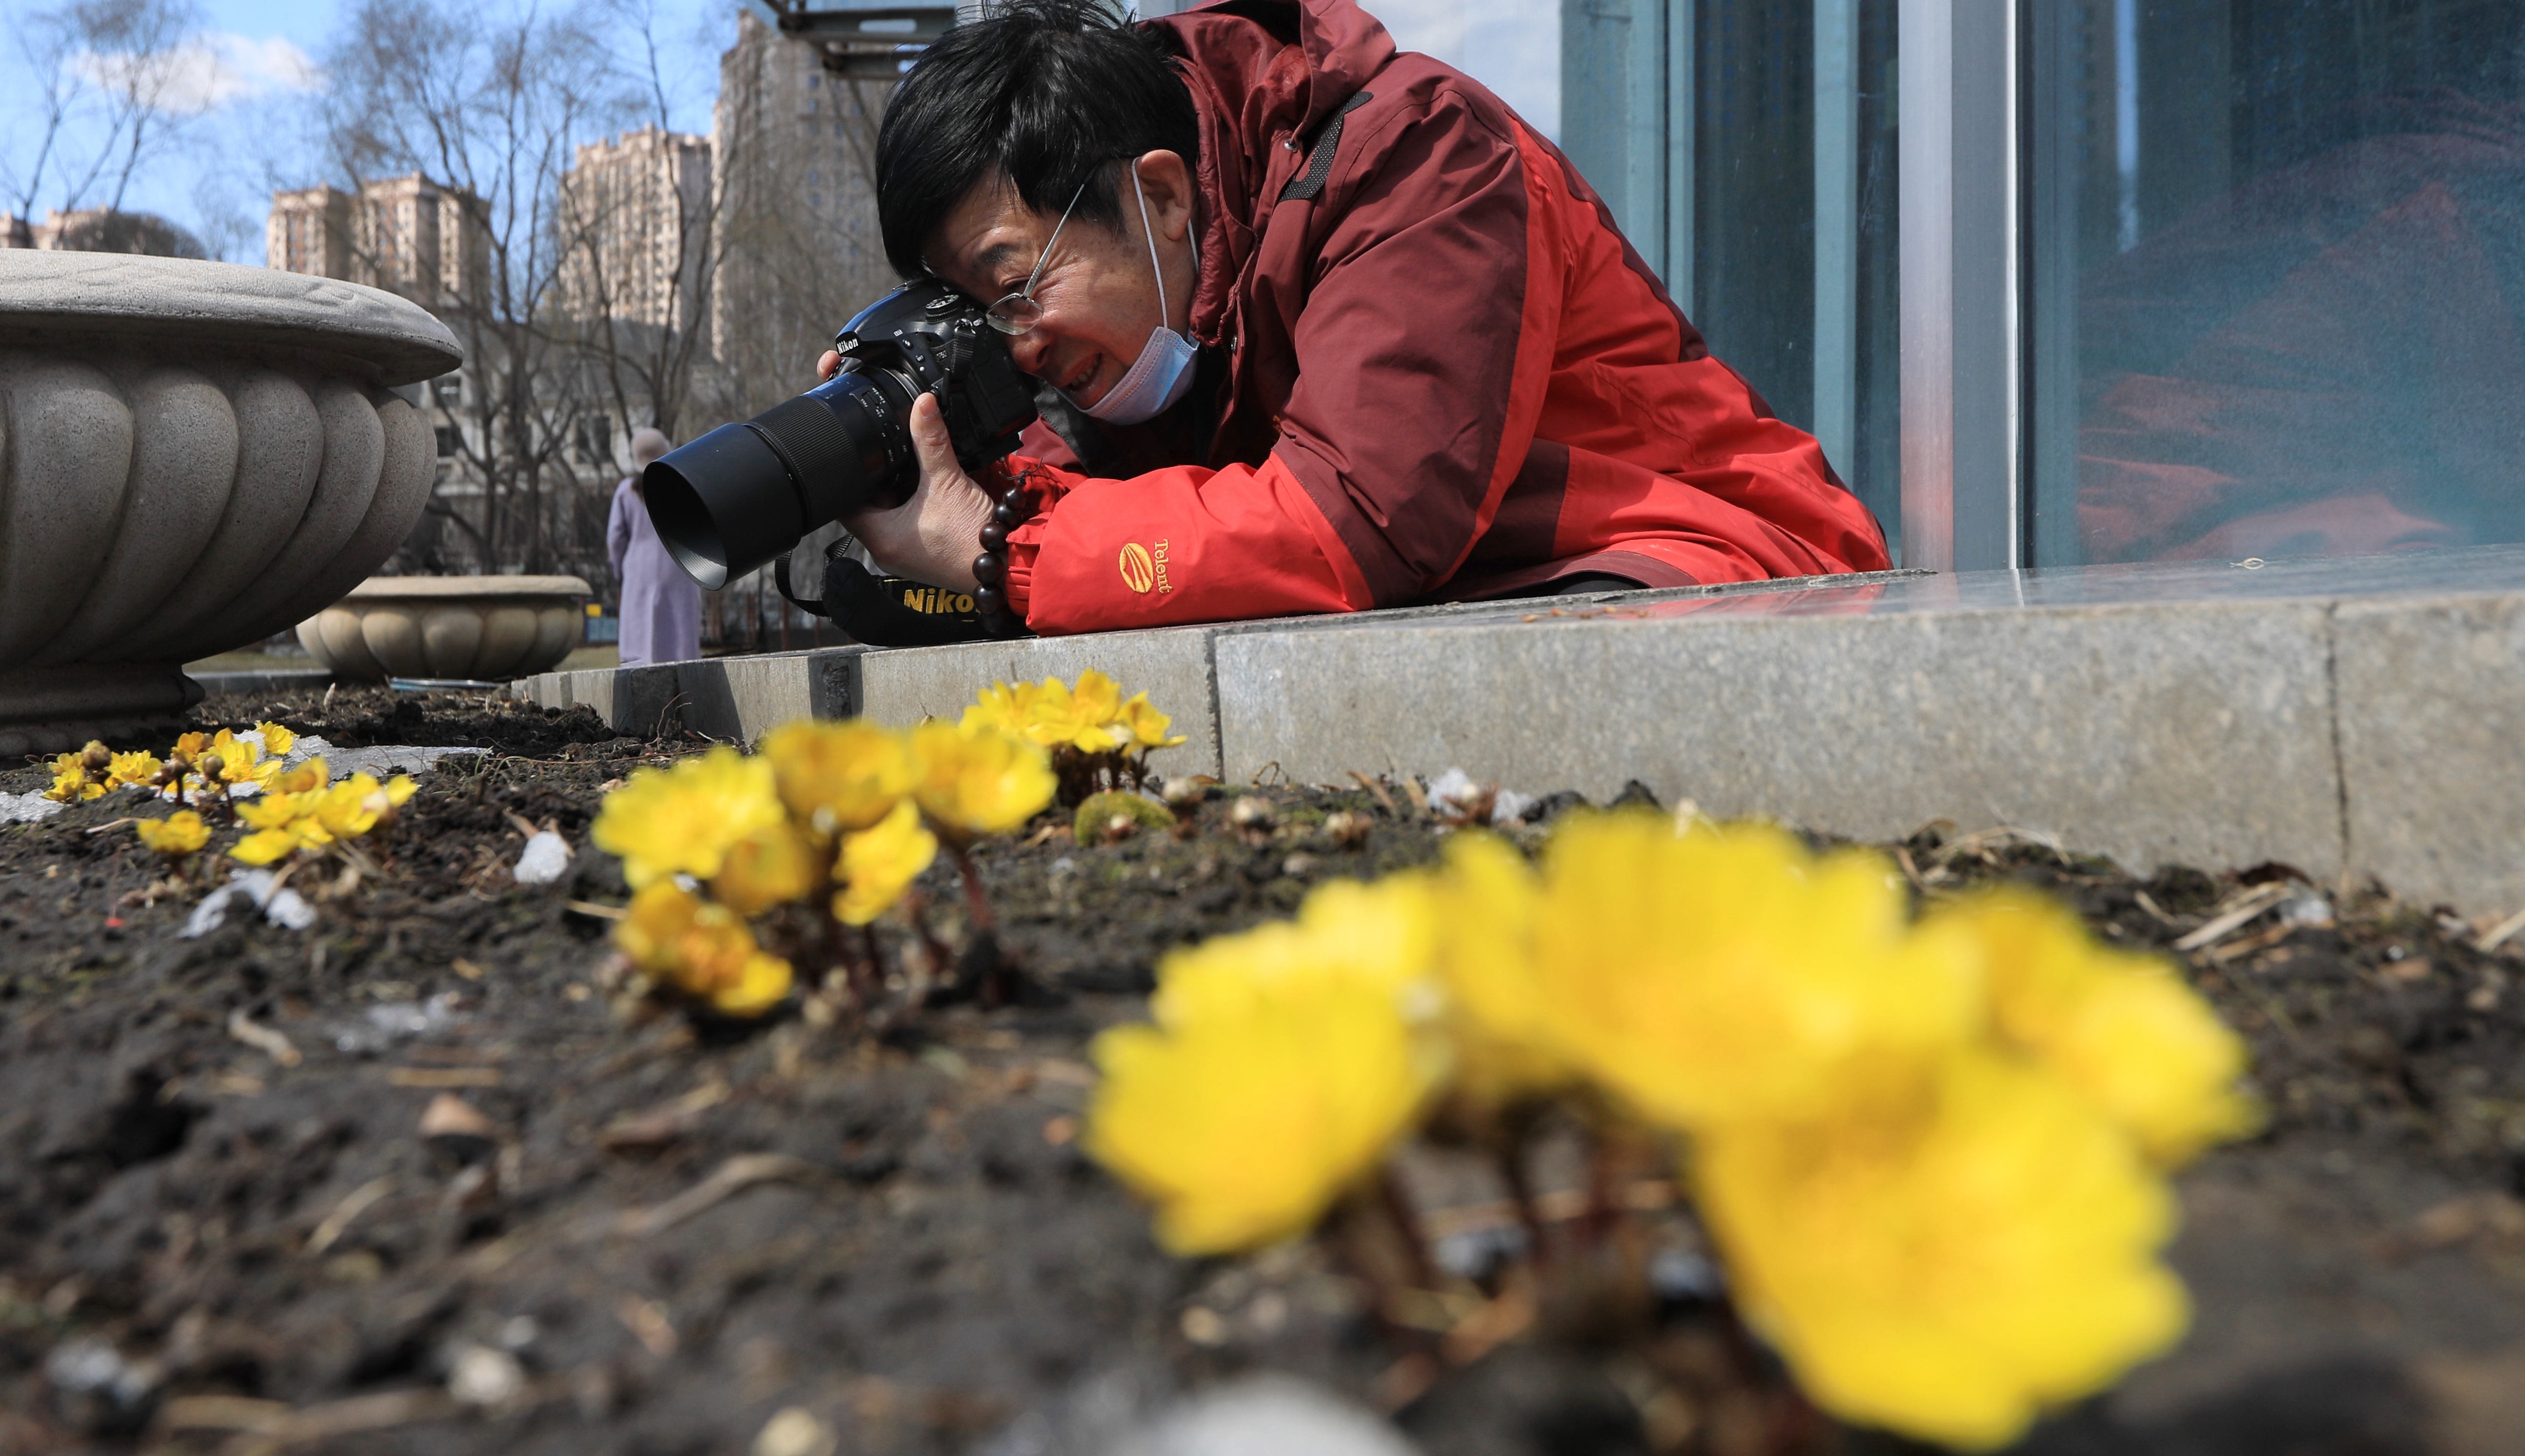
{"type": "Point", "coordinates": [2176, 717]}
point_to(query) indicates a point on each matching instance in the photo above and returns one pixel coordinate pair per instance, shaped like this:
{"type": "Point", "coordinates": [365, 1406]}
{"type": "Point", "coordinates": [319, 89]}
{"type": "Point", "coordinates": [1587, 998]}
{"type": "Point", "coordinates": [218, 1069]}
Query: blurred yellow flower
{"type": "Point", "coordinates": [980, 780]}
{"type": "Point", "coordinates": [1382, 936]}
{"type": "Point", "coordinates": [277, 739]}
{"type": "Point", "coordinates": [684, 819]}
{"type": "Point", "coordinates": [1147, 725]}
{"type": "Point", "coordinates": [190, 746]}
{"type": "Point", "coordinates": [1488, 903]}
{"type": "Point", "coordinates": [1243, 1128]}
{"type": "Point", "coordinates": [878, 864]}
{"type": "Point", "coordinates": [1283, 1062]}
{"type": "Point", "coordinates": [136, 769]}
{"type": "Point", "coordinates": [1951, 1268]}
{"type": "Point", "coordinates": [1726, 973]}
{"type": "Point", "coordinates": [656, 921]}
{"type": "Point", "coordinates": [311, 774]}
{"type": "Point", "coordinates": [770, 866]}
{"type": "Point", "coordinates": [177, 834]}
{"type": "Point", "coordinates": [840, 777]}
{"type": "Point", "coordinates": [2121, 1029]}
{"type": "Point", "coordinates": [703, 949]}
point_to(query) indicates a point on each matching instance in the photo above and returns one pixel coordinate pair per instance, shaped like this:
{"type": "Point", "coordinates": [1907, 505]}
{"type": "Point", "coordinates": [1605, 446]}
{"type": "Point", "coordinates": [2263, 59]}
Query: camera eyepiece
{"type": "Point", "coordinates": [745, 492]}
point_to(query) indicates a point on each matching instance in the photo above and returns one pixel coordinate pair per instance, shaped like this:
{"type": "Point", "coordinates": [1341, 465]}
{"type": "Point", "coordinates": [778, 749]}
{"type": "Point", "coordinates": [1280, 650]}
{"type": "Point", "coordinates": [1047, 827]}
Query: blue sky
{"type": "Point", "coordinates": [247, 130]}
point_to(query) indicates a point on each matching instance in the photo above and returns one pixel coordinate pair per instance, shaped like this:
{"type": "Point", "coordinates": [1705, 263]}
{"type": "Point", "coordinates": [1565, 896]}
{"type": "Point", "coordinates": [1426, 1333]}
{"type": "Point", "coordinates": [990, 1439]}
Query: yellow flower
{"type": "Point", "coordinates": [702, 949]}
{"type": "Point", "coordinates": [684, 819]}
{"type": "Point", "coordinates": [1283, 1062]}
{"type": "Point", "coordinates": [277, 739]}
{"type": "Point", "coordinates": [1382, 936]}
{"type": "Point", "coordinates": [1951, 1269]}
{"type": "Point", "coordinates": [1082, 717]}
{"type": "Point", "coordinates": [1488, 903]}
{"type": "Point", "coordinates": [770, 866]}
{"type": "Point", "coordinates": [241, 761]}
{"type": "Point", "coordinates": [136, 769]}
{"type": "Point", "coordinates": [1148, 726]}
{"type": "Point", "coordinates": [2119, 1028]}
{"type": "Point", "coordinates": [71, 783]}
{"type": "Point", "coordinates": [189, 747]}
{"type": "Point", "coordinates": [1243, 1128]}
{"type": "Point", "coordinates": [307, 777]}
{"type": "Point", "coordinates": [654, 923]}
{"type": "Point", "coordinates": [1726, 973]}
{"type": "Point", "coordinates": [176, 836]}
{"type": "Point", "coordinates": [840, 777]}
{"type": "Point", "coordinates": [980, 781]}
{"type": "Point", "coordinates": [1004, 707]}
{"type": "Point", "coordinates": [284, 824]}
{"type": "Point", "coordinates": [878, 864]}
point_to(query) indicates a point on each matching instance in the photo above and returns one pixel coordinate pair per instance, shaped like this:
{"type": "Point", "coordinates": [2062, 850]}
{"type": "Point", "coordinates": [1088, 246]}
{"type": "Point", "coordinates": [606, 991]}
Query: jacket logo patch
{"type": "Point", "coordinates": [1139, 568]}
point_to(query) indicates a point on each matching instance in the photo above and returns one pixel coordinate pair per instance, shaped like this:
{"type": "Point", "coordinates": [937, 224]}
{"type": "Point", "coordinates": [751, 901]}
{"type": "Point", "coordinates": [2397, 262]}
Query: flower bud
{"type": "Point", "coordinates": [96, 757]}
{"type": "Point", "coordinates": [212, 766]}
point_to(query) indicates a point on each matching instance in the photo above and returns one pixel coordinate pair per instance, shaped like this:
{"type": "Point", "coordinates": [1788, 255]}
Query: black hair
{"type": "Point", "coordinates": [1042, 93]}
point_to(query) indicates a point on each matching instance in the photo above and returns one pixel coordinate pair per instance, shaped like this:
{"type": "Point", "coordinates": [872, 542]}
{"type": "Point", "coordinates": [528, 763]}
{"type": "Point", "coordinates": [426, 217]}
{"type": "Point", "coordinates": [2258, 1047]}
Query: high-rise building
{"type": "Point", "coordinates": [635, 220]}
{"type": "Point", "coordinates": [794, 152]}
{"type": "Point", "coordinates": [406, 235]}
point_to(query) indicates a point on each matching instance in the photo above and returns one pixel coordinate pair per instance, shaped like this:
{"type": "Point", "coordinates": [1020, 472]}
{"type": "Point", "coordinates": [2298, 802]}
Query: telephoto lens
{"type": "Point", "coordinates": [745, 492]}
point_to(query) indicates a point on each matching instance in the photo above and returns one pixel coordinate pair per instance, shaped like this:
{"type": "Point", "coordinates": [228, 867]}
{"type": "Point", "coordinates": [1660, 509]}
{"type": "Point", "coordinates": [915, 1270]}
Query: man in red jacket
{"type": "Point", "coordinates": [1322, 326]}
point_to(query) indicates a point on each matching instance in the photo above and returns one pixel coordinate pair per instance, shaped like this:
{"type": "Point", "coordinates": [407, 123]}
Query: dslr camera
{"type": "Point", "coordinates": [745, 492]}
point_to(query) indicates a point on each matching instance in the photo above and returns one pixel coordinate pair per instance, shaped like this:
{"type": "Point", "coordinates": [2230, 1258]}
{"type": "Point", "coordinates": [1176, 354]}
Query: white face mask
{"type": "Point", "coordinates": [1162, 373]}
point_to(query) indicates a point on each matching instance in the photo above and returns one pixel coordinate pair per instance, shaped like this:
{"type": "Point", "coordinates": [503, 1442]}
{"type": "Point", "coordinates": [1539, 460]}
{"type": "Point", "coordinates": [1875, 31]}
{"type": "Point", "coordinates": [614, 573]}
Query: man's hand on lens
{"type": "Point", "coordinates": [934, 536]}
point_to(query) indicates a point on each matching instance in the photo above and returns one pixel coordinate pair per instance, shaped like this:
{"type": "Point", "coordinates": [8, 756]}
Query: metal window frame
{"type": "Point", "coordinates": [1961, 276]}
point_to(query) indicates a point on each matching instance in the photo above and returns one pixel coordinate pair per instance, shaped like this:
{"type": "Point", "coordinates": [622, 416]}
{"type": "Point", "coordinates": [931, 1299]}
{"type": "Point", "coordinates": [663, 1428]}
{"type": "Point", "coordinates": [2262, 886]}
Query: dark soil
{"type": "Point", "coordinates": [672, 1231]}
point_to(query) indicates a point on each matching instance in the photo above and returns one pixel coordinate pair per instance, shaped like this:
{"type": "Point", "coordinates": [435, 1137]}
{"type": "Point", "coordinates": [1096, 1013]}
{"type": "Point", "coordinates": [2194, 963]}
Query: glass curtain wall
{"type": "Point", "coordinates": [1748, 149]}
{"type": "Point", "coordinates": [2275, 276]}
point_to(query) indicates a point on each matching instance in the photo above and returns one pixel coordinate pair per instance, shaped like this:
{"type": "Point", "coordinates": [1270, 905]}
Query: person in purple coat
{"type": "Point", "coordinates": [662, 607]}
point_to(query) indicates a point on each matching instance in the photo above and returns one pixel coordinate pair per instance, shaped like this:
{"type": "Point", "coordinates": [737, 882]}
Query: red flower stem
{"type": "Point", "coordinates": [976, 903]}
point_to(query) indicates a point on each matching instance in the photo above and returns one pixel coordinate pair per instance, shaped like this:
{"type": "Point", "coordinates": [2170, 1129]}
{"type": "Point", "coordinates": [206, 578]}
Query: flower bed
{"type": "Point", "coordinates": [427, 1175]}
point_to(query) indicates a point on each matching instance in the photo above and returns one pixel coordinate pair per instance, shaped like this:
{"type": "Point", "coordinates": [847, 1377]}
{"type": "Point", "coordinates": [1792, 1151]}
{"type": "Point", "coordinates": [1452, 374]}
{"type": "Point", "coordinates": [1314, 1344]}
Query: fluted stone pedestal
{"type": "Point", "coordinates": [474, 628]}
{"type": "Point", "coordinates": [194, 455]}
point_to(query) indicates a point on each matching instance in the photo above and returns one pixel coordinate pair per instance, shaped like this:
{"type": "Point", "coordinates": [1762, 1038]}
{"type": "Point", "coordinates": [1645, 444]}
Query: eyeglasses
{"type": "Point", "coordinates": [1018, 313]}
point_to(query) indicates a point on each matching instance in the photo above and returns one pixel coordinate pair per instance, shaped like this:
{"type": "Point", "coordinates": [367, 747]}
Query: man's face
{"type": "Point", "coordinates": [1098, 292]}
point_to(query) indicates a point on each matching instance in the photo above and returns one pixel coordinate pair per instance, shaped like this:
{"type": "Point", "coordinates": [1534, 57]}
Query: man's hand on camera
{"type": "Point", "coordinates": [934, 536]}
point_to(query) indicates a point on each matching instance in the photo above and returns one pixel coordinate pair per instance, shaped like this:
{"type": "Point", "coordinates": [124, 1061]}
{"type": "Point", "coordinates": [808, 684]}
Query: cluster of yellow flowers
{"type": "Point", "coordinates": [842, 817]}
{"type": "Point", "coordinates": [290, 809]}
{"type": "Point", "coordinates": [1091, 730]}
{"type": "Point", "coordinates": [306, 809]}
{"type": "Point", "coordinates": [1931, 1152]}
{"type": "Point", "coordinates": [199, 763]}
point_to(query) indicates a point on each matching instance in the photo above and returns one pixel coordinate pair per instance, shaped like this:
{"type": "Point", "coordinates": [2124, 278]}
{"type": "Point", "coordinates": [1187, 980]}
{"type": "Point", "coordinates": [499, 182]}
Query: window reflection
{"type": "Point", "coordinates": [2277, 259]}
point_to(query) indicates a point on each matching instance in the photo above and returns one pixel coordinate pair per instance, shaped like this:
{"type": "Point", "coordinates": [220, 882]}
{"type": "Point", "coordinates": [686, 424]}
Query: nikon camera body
{"type": "Point", "coordinates": [745, 492]}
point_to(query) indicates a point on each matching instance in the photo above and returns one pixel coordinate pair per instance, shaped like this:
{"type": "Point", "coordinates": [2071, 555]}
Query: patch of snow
{"type": "Point", "coordinates": [26, 808]}
{"type": "Point", "coordinates": [287, 909]}
{"type": "Point", "coordinates": [546, 859]}
{"type": "Point", "coordinates": [1511, 807]}
{"type": "Point", "coordinates": [1452, 791]}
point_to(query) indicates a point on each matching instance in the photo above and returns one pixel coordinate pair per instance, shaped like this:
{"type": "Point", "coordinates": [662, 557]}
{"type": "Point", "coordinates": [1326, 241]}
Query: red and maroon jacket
{"type": "Point", "coordinates": [1437, 373]}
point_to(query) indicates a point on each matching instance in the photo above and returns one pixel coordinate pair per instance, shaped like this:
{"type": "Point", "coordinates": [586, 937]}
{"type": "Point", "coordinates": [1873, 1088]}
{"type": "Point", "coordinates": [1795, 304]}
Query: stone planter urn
{"type": "Point", "coordinates": [473, 628]}
{"type": "Point", "coordinates": [194, 455]}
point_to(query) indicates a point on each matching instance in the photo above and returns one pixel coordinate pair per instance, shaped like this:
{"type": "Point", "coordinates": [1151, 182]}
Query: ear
{"type": "Point", "coordinates": [1168, 184]}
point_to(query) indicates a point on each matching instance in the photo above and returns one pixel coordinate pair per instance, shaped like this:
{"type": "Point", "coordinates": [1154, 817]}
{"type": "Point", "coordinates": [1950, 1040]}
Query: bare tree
{"type": "Point", "coordinates": [483, 109]}
{"type": "Point", "coordinates": [102, 73]}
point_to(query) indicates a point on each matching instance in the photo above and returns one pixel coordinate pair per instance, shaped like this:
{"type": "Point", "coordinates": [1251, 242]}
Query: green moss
{"type": "Point", "coordinates": [1088, 825]}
